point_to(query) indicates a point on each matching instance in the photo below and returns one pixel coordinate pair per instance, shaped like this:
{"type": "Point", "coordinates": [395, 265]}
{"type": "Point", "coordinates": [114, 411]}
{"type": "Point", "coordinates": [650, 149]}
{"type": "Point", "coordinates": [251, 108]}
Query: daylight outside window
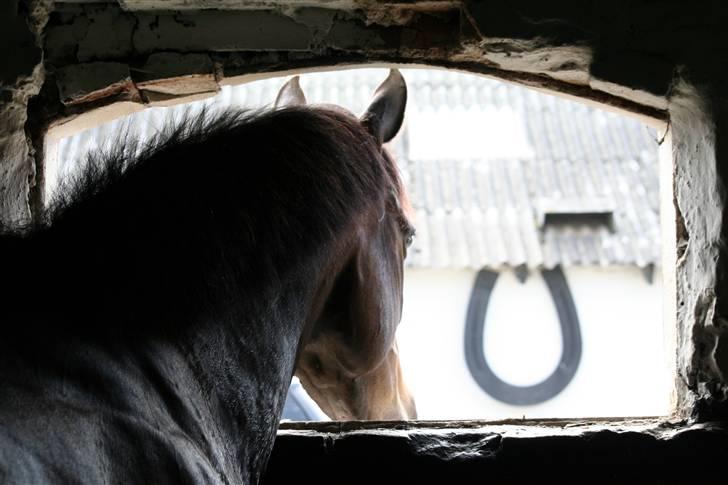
{"type": "Point", "coordinates": [533, 287]}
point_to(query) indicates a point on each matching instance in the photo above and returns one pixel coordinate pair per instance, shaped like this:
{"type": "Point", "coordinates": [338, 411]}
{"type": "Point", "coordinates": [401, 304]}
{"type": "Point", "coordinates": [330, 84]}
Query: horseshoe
{"type": "Point", "coordinates": [570, 335]}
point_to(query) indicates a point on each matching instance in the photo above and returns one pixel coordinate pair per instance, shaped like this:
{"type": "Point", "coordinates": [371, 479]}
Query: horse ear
{"type": "Point", "coordinates": [291, 94]}
{"type": "Point", "coordinates": [385, 114]}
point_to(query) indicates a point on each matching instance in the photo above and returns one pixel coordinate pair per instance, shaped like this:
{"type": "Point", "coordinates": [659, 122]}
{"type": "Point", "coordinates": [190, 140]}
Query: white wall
{"type": "Point", "coordinates": [624, 370]}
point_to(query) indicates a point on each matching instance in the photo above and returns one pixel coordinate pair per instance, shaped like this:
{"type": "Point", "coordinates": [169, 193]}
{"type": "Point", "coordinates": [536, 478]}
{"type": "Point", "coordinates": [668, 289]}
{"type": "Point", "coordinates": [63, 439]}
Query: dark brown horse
{"type": "Point", "coordinates": [150, 326]}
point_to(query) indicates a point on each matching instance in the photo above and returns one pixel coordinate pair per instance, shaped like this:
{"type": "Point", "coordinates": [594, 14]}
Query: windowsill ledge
{"type": "Point", "coordinates": [452, 451]}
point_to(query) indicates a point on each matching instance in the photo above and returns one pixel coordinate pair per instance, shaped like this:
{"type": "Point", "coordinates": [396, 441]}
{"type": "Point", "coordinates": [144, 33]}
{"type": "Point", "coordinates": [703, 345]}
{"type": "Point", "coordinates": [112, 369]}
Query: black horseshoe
{"type": "Point", "coordinates": [570, 335]}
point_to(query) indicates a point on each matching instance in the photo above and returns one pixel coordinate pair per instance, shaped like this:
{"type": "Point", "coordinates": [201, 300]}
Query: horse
{"type": "Point", "coordinates": [152, 319]}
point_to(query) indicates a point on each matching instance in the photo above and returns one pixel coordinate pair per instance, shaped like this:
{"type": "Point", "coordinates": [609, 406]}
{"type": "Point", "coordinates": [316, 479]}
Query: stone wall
{"type": "Point", "coordinates": [21, 77]}
{"type": "Point", "coordinates": [663, 60]}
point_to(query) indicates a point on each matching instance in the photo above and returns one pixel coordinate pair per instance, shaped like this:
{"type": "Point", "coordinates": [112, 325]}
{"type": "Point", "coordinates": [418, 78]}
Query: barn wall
{"type": "Point", "coordinates": [660, 59]}
{"type": "Point", "coordinates": [624, 368]}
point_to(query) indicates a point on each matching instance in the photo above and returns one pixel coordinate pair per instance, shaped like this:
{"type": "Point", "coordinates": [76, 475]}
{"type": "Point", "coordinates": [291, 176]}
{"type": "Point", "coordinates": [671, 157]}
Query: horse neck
{"type": "Point", "coordinates": [231, 367]}
{"type": "Point", "coordinates": [149, 292]}
{"type": "Point", "coordinates": [247, 364]}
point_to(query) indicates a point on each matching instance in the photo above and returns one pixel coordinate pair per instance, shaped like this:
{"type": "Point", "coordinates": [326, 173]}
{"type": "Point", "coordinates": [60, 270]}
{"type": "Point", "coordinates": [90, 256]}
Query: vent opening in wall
{"type": "Point", "coordinates": [533, 287]}
{"type": "Point", "coordinates": [588, 218]}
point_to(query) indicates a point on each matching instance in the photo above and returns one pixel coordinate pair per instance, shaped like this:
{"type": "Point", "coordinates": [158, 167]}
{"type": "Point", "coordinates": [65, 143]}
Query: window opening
{"type": "Point", "coordinates": [533, 287]}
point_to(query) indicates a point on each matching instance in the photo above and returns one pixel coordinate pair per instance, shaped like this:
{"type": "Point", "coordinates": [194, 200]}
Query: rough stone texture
{"type": "Point", "coordinates": [700, 199]}
{"type": "Point", "coordinates": [553, 453]}
{"type": "Point", "coordinates": [21, 76]}
{"type": "Point", "coordinates": [439, 33]}
{"type": "Point", "coordinates": [660, 59]}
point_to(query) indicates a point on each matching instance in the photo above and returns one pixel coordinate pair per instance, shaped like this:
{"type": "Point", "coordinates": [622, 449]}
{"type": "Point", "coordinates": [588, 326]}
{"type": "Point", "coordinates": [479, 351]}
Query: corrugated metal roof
{"type": "Point", "coordinates": [485, 162]}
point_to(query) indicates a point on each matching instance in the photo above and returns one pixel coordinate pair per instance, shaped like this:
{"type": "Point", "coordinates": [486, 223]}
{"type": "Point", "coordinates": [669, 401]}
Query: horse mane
{"type": "Point", "coordinates": [214, 206]}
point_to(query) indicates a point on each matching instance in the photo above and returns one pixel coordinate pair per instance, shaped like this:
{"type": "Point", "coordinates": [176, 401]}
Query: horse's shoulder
{"type": "Point", "coordinates": [54, 441]}
{"type": "Point", "coordinates": [20, 465]}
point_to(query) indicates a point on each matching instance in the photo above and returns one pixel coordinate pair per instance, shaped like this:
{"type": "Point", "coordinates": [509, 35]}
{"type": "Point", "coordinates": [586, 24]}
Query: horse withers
{"type": "Point", "coordinates": [152, 320]}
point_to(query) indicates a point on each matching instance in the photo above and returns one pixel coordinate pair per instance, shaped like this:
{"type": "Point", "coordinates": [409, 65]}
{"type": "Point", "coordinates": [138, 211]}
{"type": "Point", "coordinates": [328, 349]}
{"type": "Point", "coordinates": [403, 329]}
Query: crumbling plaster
{"type": "Point", "coordinates": [660, 60]}
{"type": "Point", "coordinates": [21, 76]}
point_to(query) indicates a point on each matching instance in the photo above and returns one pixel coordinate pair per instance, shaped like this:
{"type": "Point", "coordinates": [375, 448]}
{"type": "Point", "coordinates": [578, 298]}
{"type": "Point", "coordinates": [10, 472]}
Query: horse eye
{"type": "Point", "coordinates": [316, 364]}
{"type": "Point", "coordinates": [410, 237]}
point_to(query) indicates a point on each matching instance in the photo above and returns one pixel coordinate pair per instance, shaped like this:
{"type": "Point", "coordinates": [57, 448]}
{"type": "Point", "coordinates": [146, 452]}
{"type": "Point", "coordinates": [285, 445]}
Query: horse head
{"type": "Point", "coordinates": [347, 358]}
